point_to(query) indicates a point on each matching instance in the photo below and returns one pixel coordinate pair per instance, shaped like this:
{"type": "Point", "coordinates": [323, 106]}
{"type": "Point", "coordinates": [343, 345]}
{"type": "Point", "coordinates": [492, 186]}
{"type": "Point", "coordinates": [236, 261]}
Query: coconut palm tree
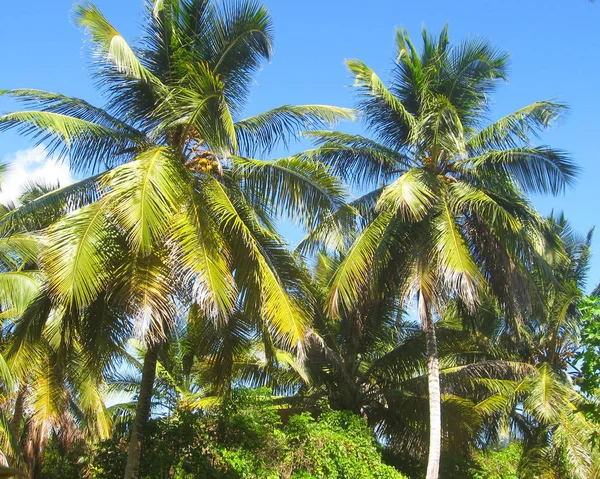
{"type": "Point", "coordinates": [451, 220]}
{"type": "Point", "coordinates": [56, 358]}
{"type": "Point", "coordinates": [176, 210]}
{"type": "Point", "coordinates": [550, 414]}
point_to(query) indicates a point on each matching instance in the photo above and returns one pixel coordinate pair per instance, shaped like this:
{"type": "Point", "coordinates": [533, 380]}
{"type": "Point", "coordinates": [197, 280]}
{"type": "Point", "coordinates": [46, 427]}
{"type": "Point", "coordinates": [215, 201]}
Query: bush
{"type": "Point", "coordinates": [247, 439]}
{"type": "Point", "coordinates": [500, 463]}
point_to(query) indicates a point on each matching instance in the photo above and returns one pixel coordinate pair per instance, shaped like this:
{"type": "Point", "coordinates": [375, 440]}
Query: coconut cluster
{"type": "Point", "coordinates": [200, 159]}
{"type": "Point", "coordinates": [205, 162]}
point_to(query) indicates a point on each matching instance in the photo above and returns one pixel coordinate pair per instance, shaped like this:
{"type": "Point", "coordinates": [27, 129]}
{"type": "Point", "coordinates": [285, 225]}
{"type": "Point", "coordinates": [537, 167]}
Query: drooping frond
{"type": "Point", "coordinates": [17, 290]}
{"type": "Point", "coordinates": [282, 312]}
{"type": "Point", "coordinates": [353, 273]}
{"type": "Point", "coordinates": [205, 257]}
{"type": "Point", "coordinates": [457, 266]}
{"type": "Point", "coordinates": [145, 194]}
{"type": "Point", "coordinates": [538, 170]}
{"type": "Point", "coordinates": [81, 253]}
{"type": "Point", "coordinates": [261, 133]}
{"type": "Point", "coordinates": [87, 146]}
{"type": "Point", "coordinates": [304, 191]}
{"type": "Point", "coordinates": [38, 212]}
{"type": "Point", "coordinates": [517, 128]}
{"type": "Point", "coordinates": [73, 107]}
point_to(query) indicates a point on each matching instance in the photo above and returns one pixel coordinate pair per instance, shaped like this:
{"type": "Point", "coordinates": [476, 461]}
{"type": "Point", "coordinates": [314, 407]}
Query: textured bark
{"type": "Point", "coordinates": [15, 424]}
{"type": "Point", "coordinates": [435, 401]}
{"type": "Point", "coordinates": [142, 413]}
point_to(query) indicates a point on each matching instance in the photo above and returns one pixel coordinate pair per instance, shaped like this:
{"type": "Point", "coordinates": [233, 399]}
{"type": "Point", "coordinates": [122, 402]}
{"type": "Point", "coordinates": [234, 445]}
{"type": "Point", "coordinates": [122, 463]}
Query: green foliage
{"type": "Point", "coordinates": [336, 445]}
{"type": "Point", "coordinates": [500, 463]}
{"type": "Point", "coordinates": [250, 436]}
{"type": "Point", "coordinates": [61, 462]}
{"type": "Point", "coordinates": [590, 346]}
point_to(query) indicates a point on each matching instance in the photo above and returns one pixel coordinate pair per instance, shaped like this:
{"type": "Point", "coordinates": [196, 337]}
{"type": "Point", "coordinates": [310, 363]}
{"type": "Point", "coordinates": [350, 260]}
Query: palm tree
{"type": "Point", "coordinates": [56, 363]}
{"type": "Point", "coordinates": [451, 219]}
{"type": "Point", "coordinates": [177, 212]}
{"type": "Point", "coordinates": [549, 411]}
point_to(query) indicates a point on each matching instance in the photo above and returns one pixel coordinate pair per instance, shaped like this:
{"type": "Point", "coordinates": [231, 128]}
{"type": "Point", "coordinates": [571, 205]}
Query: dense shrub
{"type": "Point", "coordinates": [502, 463]}
{"type": "Point", "coordinates": [247, 439]}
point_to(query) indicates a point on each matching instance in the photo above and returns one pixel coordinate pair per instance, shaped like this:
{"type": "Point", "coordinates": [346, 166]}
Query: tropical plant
{"type": "Point", "coordinates": [253, 435]}
{"type": "Point", "coordinates": [54, 360]}
{"type": "Point", "coordinates": [174, 212]}
{"type": "Point", "coordinates": [550, 413]}
{"type": "Point", "coordinates": [452, 220]}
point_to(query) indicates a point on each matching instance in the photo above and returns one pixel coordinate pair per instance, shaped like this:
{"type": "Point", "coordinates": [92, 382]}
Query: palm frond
{"type": "Point", "coordinates": [110, 44]}
{"type": "Point", "coordinates": [301, 190]}
{"type": "Point", "coordinates": [146, 193]}
{"type": "Point", "coordinates": [537, 170]}
{"type": "Point", "coordinates": [80, 258]}
{"type": "Point", "coordinates": [261, 133]}
{"type": "Point", "coordinates": [353, 273]}
{"type": "Point", "coordinates": [516, 129]}
{"type": "Point", "coordinates": [88, 146]}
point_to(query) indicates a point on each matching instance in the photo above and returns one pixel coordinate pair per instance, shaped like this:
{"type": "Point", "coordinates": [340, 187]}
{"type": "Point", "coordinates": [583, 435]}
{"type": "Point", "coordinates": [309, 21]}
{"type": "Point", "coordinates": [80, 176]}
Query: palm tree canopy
{"type": "Point", "coordinates": [453, 208]}
{"type": "Point", "coordinates": [176, 202]}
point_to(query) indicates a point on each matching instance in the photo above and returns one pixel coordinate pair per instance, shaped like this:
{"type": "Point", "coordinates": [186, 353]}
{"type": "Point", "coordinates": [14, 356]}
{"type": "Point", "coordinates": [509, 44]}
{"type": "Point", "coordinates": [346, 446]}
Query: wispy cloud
{"type": "Point", "coordinates": [32, 165]}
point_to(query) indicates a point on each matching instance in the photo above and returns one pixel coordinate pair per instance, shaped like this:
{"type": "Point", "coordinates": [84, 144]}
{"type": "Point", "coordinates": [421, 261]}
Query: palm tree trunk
{"type": "Point", "coordinates": [435, 401]}
{"type": "Point", "coordinates": [142, 413]}
{"type": "Point", "coordinates": [15, 424]}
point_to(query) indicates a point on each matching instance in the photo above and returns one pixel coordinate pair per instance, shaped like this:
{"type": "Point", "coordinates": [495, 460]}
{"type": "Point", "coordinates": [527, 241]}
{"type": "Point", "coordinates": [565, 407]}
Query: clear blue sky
{"type": "Point", "coordinates": [554, 44]}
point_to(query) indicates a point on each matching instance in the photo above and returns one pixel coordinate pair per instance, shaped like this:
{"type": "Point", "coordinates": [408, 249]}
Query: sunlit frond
{"type": "Point", "coordinates": [304, 191]}
{"type": "Point", "coordinates": [81, 253]}
{"type": "Point", "coordinates": [261, 133]}
{"type": "Point", "coordinates": [145, 194]}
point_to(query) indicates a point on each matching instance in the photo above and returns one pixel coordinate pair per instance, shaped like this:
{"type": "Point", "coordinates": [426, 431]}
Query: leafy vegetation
{"type": "Point", "coordinates": [244, 438]}
{"type": "Point", "coordinates": [159, 285]}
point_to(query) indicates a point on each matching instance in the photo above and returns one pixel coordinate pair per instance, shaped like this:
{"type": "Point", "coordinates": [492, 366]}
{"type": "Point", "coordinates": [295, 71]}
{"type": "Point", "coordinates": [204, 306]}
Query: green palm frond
{"type": "Point", "coordinates": [465, 197]}
{"type": "Point", "coordinates": [279, 310]}
{"type": "Point", "coordinates": [304, 191]}
{"type": "Point", "coordinates": [147, 292]}
{"type": "Point", "coordinates": [353, 273]}
{"type": "Point", "coordinates": [19, 248]}
{"type": "Point", "coordinates": [198, 104]}
{"type": "Point", "coordinates": [356, 159]}
{"type": "Point", "coordinates": [72, 107]}
{"type": "Point", "coordinates": [379, 100]}
{"type": "Point", "coordinates": [537, 170]}
{"type": "Point", "coordinates": [240, 37]}
{"type": "Point", "coordinates": [412, 194]}
{"type": "Point", "coordinates": [18, 289]}
{"type": "Point", "coordinates": [40, 211]}
{"type": "Point", "coordinates": [145, 193]}
{"type": "Point", "coordinates": [458, 268]}
{"type": "Point", "coordinates": [516, 129]}
{"type": "Point", "coordinates": [110, 44]}
{"type": "Point", "coordinates": [81, 254]}
{"type": "Point", "coordinates": [88, 146]}
{"type": "Point", "coordinates": [262, 132]}
{"type": "Point", "coordinates": [204, 254]}
{"type": "Point", "coordinates": [338, 230]}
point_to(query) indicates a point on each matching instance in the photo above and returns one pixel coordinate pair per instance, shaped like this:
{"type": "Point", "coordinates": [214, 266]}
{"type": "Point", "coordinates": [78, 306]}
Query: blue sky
{"type": "Point", "coordinates": [554, 46]}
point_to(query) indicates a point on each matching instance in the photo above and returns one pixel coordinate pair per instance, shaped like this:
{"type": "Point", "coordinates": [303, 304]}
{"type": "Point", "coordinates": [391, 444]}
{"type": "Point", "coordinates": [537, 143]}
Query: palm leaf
{"type": "Point", "coordinates": [303, 191]}
{"type": "Point", "coordinates": [262, 132]}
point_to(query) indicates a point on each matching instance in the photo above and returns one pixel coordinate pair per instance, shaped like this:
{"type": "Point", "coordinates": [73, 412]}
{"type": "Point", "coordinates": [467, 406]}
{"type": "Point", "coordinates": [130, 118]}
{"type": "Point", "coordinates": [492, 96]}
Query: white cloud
{"type": "Point", "coordinates": [32, 165]}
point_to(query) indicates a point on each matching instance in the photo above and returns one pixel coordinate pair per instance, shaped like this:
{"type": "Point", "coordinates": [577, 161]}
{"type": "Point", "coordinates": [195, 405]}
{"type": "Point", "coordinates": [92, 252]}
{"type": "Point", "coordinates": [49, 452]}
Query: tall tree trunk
{"type": "Point", "coordinates": [435, 399]}
{"type": "Point", "coordinates": [15, 424]}
{"type": "Point", "coordinates": [142, 413]}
